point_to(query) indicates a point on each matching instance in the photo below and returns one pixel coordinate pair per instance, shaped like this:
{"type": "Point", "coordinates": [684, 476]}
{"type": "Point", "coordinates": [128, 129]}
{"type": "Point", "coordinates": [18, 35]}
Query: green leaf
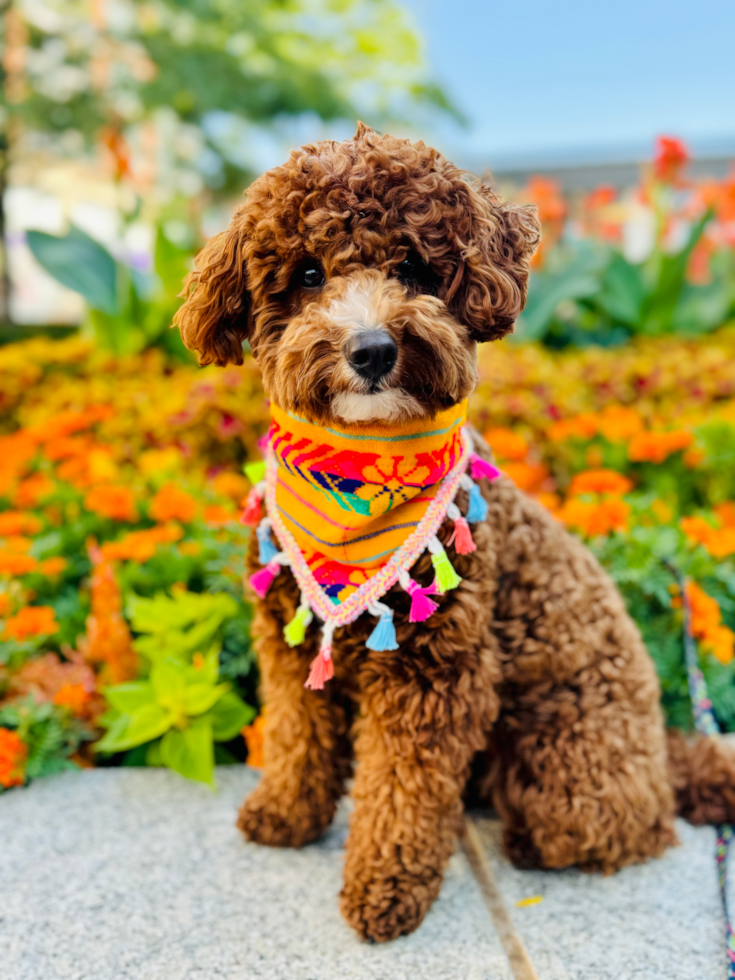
{"type": "Point", "coordinates": [229, 716]}
{"type": "Point", "coordinates": [190, 751]}
{"type": "Point", "coordinates": [660, 304]}
{"type": "Point", "coordinates": [79, 263]}
{"type": "Point", "coordinates": [127, 698]}
{"type": "Point", "coordinates": [147, 723]}
{"type": "Point", "coordinates": [623, 291]}
{"type": "Point", "coordinates": [169, 683]}
{"type": "Point", "coordinates": [576, 280]}
{"type": "Point", "coordinates": [199, 698]}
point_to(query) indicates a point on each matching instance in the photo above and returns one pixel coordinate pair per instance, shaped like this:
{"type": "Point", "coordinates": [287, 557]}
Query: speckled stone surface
{"type": "Point", "coordinates": [135, 874]}
{"type": "Point", "coordinates": [659, 921]}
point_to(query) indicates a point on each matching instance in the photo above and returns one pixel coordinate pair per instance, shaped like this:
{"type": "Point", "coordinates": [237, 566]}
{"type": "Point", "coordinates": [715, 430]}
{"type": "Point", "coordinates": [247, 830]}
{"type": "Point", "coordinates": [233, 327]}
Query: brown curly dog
{"type": "Point", "coordinates": [531, 676]}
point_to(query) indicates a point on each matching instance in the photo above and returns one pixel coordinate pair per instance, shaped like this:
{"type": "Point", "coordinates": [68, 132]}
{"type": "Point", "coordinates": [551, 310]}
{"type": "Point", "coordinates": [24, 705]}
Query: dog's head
{"type": "Point", "coordinates": [362, 274]}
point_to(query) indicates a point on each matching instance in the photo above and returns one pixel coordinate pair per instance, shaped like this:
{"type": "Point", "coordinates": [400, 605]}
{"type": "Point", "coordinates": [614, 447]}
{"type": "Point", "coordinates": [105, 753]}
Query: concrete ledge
{"type": "Point", "coordinates": [136, 874]}
{"type": "Point", "coordinates": [658, 921]}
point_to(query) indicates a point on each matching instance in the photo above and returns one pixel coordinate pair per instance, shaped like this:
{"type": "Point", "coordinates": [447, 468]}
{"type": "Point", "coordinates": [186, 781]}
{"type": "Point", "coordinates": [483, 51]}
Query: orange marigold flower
{"type": "Point", "coordinates": [719, 542]}
{"type": "Point", "coordinates": [140, 546]}
{"type": "Point", "coordinates": [707, 625]}
{"type": "Point", "coordinates": [617, 423]}
{"type": "Point", "coordinates": [726, 513]}
{"type": "Point", "coordinates": [13, 755]}
{"type": "Point", "coordinates": [600, 481]}
{"type": "Point", "coordinates": [229, 484]}
{"type": "Point", "coordinates": [73, 696]}
{"type": "Point", "coordinates": [171, 503]}
{"type": "Point", "coordinates": [31, 491]}
{"type": "Point", "coordinates": [253, 735]}
{"type": "Point", "coordinates": [52, 566]}
{"type": "Point", "coordinates": [117, 503]}
{"type": "Point", "coordinates": [31, 621]}
{"type": "Point", "coordinates": [19, 545]}
{"type": "Point", "coordinates": [507, 444]}
{"type": "Point", "coordinates": [584, 426]}
{"type": "Point", "coordinates": [527, 476]}
{"type": "Point", "coordinates": [593, 519]}
{"type": "Point", "coordinates": [67, 446]}
{"type": "Point", "coordinates": [14, 522]}
{"type": "Point", "coordinates": [218, 515]}
{"type": "Point", "coordinates": [550, 501]}
{"type": "Point", "coordinates": [655, 447]}
{"type": "Point", "coordinates": [12, 563]}
{"type": "Point", "coordinates": [721, 644]}
{"type": "Point", "coordinates": [698, 530]}
{"type": "Point", "coordinates": [108, 640]}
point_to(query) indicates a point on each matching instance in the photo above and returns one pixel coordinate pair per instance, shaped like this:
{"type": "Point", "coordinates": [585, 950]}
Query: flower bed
{"type": "Point", "coordinates": [123, 630]}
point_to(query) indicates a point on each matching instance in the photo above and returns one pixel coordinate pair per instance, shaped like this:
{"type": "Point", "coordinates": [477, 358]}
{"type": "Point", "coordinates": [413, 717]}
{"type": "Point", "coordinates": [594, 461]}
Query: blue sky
{"type": "Point", "coordinates": [571, 78]}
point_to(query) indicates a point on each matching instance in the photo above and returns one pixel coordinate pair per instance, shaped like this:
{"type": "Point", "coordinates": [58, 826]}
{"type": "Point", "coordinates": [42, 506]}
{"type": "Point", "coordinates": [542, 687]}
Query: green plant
{"type": "Point", "coordinates": [50, 734]}
{"type": "Point", "coordinates": [590, 293]}
{"type": "Point", "coordinates": [181, 709]}
{"type": "Point", "coordinates": [128, 311]}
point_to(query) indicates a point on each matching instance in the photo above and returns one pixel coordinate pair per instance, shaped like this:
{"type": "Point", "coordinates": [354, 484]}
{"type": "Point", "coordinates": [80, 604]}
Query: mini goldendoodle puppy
{"type": "Point", "coordinates": [363, 274]}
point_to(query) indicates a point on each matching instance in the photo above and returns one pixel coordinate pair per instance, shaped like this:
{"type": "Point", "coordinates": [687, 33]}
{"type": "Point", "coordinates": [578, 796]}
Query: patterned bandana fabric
{"type": "Point", "coordinates": [350, 497]}
{"type": "Point", "coordinates": [350, 510]}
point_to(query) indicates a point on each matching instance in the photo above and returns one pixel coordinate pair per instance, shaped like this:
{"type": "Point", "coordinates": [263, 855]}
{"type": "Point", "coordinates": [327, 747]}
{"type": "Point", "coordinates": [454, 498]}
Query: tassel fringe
{"type": "Point", "coordinates": [321, 670]}
{"type": "Point", "coordinates": [262, 580]}
{"type": "Point", "coordinates": [480, 468]}
{"type": "Point", "coordinates": [446, 577]}
{"type": "Point", "coordinates": [421, 606]}
{"type": "Point", "coordinates": [267, 551]}
{"type": "Point", "coordinates": [294, 632]}
{"type": "Point", "coordinates": [253, 513]}
{"type": "Point", "coordinates": [461, 536]}
{"type": "Point", "coordinates": [383, 637]}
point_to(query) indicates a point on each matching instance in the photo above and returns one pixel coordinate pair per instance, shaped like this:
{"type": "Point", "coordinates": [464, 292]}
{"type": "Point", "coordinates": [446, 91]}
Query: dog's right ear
{"type": "Point", "coordinates": [214, 319]}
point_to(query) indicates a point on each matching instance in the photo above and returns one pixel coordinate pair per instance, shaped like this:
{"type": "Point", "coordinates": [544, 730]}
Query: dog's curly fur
{"type": "Point", "coordinates": [530, 687]}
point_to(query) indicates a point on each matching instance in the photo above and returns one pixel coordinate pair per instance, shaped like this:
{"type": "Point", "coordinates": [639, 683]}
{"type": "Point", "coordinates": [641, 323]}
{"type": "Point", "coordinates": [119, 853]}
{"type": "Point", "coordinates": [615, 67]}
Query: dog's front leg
{"type": "Point", "coordinates": [306, 748]}
{"type": "Point", "coordinates": [415, 739]}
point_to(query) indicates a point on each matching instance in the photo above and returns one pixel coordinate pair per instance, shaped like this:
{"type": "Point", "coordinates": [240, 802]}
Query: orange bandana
{"type": "Point", "coordinates": [351, 496]}
{"type": "Point", "coordinates": [352, 509]}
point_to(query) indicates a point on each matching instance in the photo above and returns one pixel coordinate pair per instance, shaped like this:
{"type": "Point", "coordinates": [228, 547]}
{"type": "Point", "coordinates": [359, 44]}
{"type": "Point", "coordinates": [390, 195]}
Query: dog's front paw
{"type": "Point", "coordinates": [384, 908]}
{"type": "Point", "coordinates": [269, 818]}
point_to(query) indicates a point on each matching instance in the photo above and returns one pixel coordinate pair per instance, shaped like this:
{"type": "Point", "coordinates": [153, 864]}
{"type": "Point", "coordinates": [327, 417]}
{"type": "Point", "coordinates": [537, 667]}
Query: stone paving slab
{"type": "Point", "coordinates": [137, 874]}
{"type": "Point", "coordinates": [658, 921]}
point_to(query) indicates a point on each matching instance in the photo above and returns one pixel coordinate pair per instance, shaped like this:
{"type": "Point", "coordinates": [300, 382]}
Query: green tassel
{"type": "Point", "coordinates": [295, 632]}
{"type": "Point", "coordinates": [446, 577]}
{"type": "Point", "coordinates": [255, 472]}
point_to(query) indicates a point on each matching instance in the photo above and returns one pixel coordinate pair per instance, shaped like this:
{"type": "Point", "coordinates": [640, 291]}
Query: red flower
{"type": "Point", "coordinates": [670, 159]}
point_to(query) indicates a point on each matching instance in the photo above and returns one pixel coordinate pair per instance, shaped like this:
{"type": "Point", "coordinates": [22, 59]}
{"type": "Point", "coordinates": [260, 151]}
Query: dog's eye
{"type": "Point", "coordinates": [414, 272]}
{"type": "Point", "coordinates": [309, 275]}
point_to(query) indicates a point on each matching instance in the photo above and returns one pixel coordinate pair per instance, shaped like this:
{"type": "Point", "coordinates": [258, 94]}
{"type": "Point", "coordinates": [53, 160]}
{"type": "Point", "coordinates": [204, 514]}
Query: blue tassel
{"type": "Point", "coordinates": [267, 551]}
{"type": "Point", "coordinates": [383, 637]}
{"type": "Point", "coordinates": [477, 508]}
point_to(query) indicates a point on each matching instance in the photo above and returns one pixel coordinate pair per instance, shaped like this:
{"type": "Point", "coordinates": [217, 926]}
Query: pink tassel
{"type": "Point", "coordinates": [480, 468]}
{"type": "Point", "coordinates": [252, 514]}
{"type": "Point", "coordinates": [462, 538]}
{"type": "Point", "coordinates": [264, 441]}
{"type": "Point", "coordinates": [421, 606]}
{"type": "Point", "coordinates": [321, 671]}
{"type": "Point", "coordinates": [262, 580]}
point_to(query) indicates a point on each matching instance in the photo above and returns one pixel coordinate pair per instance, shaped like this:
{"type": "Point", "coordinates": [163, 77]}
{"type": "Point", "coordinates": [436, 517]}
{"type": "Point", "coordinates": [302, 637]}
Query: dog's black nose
{"type": "Point", "coordinates": [373, 355]}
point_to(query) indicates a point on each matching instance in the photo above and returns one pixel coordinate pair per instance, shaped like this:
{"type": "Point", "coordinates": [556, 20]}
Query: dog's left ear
{"type": "Point", "coordinates": [489, 289]}
{"type": "Point", "coordinates": [215, 317]}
